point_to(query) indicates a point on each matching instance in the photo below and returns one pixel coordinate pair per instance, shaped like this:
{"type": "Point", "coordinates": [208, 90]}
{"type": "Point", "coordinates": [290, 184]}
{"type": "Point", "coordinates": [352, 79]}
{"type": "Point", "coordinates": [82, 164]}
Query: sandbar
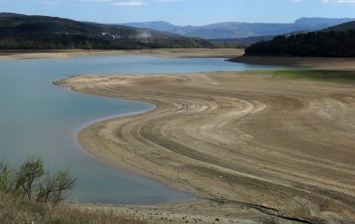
{"type": "Point", "coordinates": [248, 144]}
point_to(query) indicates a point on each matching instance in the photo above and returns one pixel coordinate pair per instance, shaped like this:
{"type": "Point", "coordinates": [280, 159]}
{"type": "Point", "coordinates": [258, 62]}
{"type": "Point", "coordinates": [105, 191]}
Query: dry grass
{"type": "Point", "coordinates": [16, 210]}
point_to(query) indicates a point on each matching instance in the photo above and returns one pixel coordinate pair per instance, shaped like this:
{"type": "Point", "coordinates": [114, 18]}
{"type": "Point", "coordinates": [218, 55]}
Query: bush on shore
{"type": "Point", "coordinates": [30, 181]}
{"type": "Point", "coordinates": [29, 194]}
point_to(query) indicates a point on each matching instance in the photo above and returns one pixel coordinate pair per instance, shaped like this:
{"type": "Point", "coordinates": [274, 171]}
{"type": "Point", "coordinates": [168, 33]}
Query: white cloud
{"type": "Point", "coordinates": [323, 1]}
{"type": "Point", "coordinates": [129, 3]}
{"type": "Point", "coordinates": [95, 0]}
{"type": "Point", "coordinates": [169, 0]}
{"type": "Point", "coordinates": [345, 1]}
{"type": "Point", "coordinates": [51, 3]}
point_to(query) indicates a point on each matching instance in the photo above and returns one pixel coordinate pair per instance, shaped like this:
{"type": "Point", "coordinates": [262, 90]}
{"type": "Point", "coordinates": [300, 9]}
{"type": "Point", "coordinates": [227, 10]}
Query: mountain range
{"type": "Point", "coordinates": [43, 32]}
{"type": "Point", "coordinates": [232, 30]}
{"type": "Point", "coordinates": [18, 23]}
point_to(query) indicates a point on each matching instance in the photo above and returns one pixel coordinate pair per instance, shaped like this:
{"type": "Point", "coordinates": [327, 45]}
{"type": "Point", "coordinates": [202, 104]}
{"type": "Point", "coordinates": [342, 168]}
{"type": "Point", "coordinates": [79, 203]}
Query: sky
{"type": "Point", "coordinates": [183, 12]}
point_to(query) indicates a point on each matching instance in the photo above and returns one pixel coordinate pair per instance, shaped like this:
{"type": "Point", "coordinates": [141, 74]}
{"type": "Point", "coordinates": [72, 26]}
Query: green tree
{"type": "Point", "coordinates": [32, 182]}
{"type": "Point", "coordinates": [27, 176]}
{"type": "Point", "coordinates": [6, 177]}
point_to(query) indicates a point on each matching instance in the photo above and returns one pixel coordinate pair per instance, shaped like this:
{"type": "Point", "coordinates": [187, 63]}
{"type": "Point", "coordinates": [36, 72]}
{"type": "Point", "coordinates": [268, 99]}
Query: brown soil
{"type": "Point", "coordinates": [247, 143]}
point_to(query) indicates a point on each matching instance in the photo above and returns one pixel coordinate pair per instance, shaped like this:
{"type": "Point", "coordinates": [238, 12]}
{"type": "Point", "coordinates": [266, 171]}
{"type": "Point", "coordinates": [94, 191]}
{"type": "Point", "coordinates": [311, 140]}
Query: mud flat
{"type": "Point", "coordinates": [248, 144]}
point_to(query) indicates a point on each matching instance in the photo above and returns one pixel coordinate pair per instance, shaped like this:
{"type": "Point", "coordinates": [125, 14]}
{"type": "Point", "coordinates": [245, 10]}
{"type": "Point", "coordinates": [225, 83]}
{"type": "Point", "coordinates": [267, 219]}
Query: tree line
{"type": "Point", "coordinates": [79, 41]}
{"type": "Point", "coordinates": [313, 44]}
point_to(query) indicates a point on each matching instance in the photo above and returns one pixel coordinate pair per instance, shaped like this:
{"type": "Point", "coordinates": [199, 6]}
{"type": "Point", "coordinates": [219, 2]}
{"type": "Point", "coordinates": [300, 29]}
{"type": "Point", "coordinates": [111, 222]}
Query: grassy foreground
{"type": "Point", "coordinates": [29, 194]}
{"type": "Point", "coordinates": [17, 210]}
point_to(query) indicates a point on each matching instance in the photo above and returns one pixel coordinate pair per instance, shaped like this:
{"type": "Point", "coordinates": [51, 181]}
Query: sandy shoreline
{"type": "Point", "coordinates": [255, 143]}
{"type": "Point", "coordinates": [233, 55]}
{"type": "Point", "coordinates": [176, 52]}
{"type": "Point", "coordinates": [249, 144]}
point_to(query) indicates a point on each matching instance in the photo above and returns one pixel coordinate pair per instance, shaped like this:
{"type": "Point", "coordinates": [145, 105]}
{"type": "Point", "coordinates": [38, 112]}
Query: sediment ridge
{"type": "Point", "coordinates": [249, 143]}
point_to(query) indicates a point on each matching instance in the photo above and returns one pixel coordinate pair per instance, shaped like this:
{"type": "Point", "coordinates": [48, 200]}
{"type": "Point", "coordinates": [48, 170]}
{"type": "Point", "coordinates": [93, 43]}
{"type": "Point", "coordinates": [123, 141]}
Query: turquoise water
{"type": "Point", "coordinates": [39, 118]}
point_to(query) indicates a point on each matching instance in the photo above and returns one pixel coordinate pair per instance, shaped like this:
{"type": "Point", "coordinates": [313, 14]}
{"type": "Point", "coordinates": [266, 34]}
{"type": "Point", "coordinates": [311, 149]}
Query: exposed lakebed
{"type": "Point", "coordinates": [39, 118]}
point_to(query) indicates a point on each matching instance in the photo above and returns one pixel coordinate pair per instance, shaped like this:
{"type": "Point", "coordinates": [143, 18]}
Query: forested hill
{"type": "Point", "coordinates": [43, 32]}
{"type": "Point", "coordinates": [342, 27]}
{"type": "Point", "coordinates": [337, 41]}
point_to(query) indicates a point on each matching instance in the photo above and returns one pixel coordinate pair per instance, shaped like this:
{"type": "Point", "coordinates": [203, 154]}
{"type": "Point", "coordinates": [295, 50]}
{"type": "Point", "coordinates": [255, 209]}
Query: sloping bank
{"type": "Point", "coordinates": [248, 142]}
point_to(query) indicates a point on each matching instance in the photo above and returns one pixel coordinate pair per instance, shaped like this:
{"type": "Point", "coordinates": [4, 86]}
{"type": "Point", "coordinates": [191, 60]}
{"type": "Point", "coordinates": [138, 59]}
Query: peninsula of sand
{"type": "Point", "coordinates": [251, 143]}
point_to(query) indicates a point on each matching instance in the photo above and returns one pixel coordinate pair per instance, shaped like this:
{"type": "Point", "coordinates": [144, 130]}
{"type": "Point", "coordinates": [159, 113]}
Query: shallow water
{"type": "Point", "coordinates": [39, 118]}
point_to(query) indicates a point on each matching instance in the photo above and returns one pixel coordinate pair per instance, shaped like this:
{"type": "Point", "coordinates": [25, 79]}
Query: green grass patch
{"type": "Point", "coordinates": [315, 75]}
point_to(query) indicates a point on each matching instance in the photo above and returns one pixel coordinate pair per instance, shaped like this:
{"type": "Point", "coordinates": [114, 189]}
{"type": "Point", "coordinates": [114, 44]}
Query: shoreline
{"type": "Point", "coordinates": [98, 120]}
{"type": "Point", "coordinates": [163, 52]}
{"type": "Point", "coordinates": [338, 64]}
{"type": "Point", "coordinates": [244, 183]}
{"type": "Point", "coordinates": [179, 139]}
{"type": "Point", "coordinates": [230, 54]}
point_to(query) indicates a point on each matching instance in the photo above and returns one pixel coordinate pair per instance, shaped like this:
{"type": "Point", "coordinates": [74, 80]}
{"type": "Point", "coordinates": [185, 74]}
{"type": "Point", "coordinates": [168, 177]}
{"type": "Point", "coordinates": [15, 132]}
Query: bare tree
{"type": "Point", "coordinates": [53, 187]}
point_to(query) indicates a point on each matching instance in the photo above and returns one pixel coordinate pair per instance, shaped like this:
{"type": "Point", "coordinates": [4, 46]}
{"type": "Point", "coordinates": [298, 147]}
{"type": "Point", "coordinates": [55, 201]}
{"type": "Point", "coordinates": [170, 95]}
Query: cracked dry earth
{"type": "Point", "coordinates": [253, 142]}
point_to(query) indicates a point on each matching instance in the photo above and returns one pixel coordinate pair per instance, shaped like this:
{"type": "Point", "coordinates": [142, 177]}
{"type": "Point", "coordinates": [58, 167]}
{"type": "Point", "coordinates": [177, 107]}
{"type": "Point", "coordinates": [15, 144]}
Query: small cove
{"type": "Point", "coordinates": [38, 118]}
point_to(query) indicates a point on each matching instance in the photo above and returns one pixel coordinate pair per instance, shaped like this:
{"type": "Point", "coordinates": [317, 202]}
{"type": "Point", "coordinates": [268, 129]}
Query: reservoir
{"type": "Point", "coordinates": [38, 118]}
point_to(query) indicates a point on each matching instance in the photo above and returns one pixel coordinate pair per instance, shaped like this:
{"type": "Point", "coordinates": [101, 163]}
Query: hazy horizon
{"type": "Point", "coordinates": [183, 12]}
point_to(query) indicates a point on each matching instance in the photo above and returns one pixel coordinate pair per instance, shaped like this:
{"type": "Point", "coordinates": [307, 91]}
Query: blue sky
{"type": "Point", "coordinates": [183, 12]}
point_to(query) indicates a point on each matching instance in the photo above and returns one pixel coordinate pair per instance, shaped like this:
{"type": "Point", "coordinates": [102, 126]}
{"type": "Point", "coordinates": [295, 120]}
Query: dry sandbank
{"type": "Point", "coordinates": [247, 143]}
{"type": "Point", "coordinates": [257, 144]}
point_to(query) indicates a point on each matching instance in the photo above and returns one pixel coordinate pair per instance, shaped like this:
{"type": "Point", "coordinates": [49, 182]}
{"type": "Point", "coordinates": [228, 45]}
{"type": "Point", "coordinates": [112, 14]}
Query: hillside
{"type": "Point", "coordinates": [342, 27]}
{"type": "Point", "coordinates": [233, 30]}
{"type": "Point", "coordinates": [337, 41]}
{"type": "Point", "coordinates": [43, 32]}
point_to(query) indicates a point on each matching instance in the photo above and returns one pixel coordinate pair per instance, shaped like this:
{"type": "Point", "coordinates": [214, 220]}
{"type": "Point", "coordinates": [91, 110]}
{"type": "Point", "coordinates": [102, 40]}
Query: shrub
{"type": "Point", "coordinates": [32, 182]}
{"type": "Point", "coordinates": [6, 178]}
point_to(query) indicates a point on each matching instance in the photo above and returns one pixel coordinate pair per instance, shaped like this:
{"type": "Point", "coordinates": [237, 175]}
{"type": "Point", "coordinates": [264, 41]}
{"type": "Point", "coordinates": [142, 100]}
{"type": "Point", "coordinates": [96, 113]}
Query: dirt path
{"type": "Point", "coordinates": [253, 143]}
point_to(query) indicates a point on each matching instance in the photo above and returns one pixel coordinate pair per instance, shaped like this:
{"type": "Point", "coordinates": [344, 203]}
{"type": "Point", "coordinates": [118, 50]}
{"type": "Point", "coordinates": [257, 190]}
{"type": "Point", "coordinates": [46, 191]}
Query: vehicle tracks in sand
{"type": "Point", "coordinates": [239, 136]}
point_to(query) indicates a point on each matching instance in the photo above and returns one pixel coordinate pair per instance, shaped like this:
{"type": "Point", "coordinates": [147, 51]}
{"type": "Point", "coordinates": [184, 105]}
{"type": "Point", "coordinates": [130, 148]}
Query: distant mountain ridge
{"type": "Point", "coordinates": [43, 32]}
{"type": "Point", "coordinates": [18, 23]}
{"type": "Point", "coordinates": [231, 30]}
